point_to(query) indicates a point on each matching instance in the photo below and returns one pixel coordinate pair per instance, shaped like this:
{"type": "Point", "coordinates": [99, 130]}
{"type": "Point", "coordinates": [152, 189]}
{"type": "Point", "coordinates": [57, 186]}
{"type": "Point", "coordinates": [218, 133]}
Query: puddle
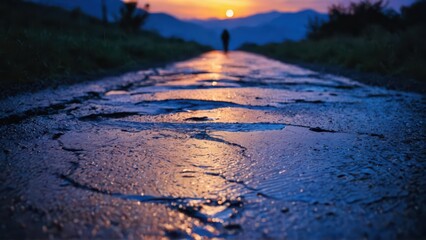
{"type": "Point", "coordinates": [183, 105]}
{"type": "Point", "coordinates": [215, 126]}
{"type": "Point", "coordinates": [116, 92]}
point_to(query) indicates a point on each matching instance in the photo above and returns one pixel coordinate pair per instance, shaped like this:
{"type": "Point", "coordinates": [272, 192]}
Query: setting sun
{"type": "Point", "coordinates": [229, 13]}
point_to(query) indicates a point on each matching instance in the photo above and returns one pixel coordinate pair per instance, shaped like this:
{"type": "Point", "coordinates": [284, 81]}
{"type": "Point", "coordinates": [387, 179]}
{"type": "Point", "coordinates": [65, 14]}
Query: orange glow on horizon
{"type": "Point", "coordinates": [191, 9]}
{"type": "Point", "coordinates": [196, 9]}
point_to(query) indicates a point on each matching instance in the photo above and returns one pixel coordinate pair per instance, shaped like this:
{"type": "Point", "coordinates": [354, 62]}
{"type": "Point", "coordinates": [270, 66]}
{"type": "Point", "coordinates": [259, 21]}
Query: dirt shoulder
{"type": "Point", "coordinates": [16, 89]}
{"type": "Point", "coordinates": [400, 83]}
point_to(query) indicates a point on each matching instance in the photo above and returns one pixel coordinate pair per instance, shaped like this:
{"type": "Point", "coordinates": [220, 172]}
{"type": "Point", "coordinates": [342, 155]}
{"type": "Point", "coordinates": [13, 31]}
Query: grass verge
{"type": "Point", "coordinates": [398, 56]}
{"type": "Point", "coordinates": [46, 46]}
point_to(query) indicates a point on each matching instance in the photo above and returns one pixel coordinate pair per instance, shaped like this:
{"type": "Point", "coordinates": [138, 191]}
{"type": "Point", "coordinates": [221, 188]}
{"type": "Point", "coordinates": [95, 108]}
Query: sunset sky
{"type": "Point", "coordinates": [203, 9]}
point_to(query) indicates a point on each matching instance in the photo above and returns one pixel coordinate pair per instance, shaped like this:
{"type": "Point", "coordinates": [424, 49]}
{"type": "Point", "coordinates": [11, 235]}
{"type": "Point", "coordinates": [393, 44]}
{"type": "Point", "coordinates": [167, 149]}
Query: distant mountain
{"type": "Point", "coordinates": [297, 19]}
{"type": "Point", "coordinates": [266, 27]}
{"type": "Point", "coordinates": [169, 26]}
{"type": "Point", "coordinates": [251, 21]}
{"type": "Point", "coordinates": [260, 28]}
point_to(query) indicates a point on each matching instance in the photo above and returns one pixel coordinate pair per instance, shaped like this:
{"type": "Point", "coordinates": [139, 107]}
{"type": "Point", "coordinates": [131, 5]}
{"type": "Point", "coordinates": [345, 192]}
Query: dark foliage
{"type": "Point", "coordinates": [414, 14]}
{"type": "Point", "coordinates": [362, 36]}
{"type": "Point", "coordinates": [354, 19]}
{"type": "Point", "coordinates": [132, 18]}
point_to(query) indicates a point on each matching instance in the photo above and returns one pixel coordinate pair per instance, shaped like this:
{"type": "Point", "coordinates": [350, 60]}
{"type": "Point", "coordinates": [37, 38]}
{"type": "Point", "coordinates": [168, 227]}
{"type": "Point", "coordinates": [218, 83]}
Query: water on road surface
{"type": "Point", "coordinates": [226, 146]}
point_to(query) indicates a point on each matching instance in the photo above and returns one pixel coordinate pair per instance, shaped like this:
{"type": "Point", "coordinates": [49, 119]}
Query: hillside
{"type": "Point", "coordinates": [46, 46]}
{"type": "Point", "coordinates": [169, 26]}
{"type": "Point", "coordinates": [364, 37]}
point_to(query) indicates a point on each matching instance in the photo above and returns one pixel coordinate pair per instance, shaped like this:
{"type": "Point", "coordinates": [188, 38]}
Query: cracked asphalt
{"type": "Point", "coordinates": [220, 146]}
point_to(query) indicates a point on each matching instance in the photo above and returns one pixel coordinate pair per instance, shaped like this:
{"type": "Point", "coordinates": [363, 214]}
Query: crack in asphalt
{"type": "Point", "coordinates": [368, 174]}
{"type": "Point", "coordinates": [46, 111]}
{"type": "Point", "coordinates": [323, 130]}
{"type": "Point", "coordinates": [190, 206]}
{"type": "Point", "coordinates": [203, 135]}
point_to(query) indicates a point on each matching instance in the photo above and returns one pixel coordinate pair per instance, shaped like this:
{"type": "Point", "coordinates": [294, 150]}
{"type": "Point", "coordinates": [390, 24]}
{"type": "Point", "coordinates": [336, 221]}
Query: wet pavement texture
{"type": "Point", "coordinates": [221, 146]}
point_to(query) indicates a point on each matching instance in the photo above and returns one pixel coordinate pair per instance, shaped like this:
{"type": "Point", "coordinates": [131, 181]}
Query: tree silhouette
{"type": "Point", "coordinates": [414, 14]}
{"type": "Point", "coordinates": [104, 12]}
{"type": "Point", "coordinates": [354, 19]}
{"type": "Point", "coordinates": [132, 18]}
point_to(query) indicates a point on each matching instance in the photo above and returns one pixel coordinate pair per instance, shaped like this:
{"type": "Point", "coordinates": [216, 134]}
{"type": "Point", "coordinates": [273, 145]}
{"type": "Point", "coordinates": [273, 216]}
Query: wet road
{"type": "Point", "coordinates": [235, 146]}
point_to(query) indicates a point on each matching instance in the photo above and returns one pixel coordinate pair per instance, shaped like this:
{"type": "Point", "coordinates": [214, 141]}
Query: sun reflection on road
{"type": "Point", "coordinates": [199, 167]}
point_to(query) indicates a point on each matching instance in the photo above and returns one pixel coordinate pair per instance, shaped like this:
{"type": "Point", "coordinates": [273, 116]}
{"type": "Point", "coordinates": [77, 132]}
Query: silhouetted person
{"type": "Point", "coordinates": [225, 40]}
